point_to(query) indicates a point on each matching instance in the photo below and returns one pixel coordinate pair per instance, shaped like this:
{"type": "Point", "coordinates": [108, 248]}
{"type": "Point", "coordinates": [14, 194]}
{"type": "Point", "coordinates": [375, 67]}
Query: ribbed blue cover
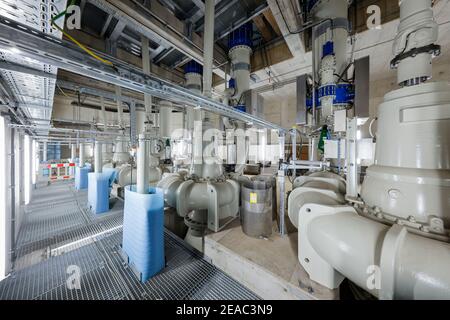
{"type": "Point", "coordinates": [81, 178]}
{"type": "Point", "coordinates": [243, 36]}
{"type": "Point", "coordinates": [143, 231]}
{"type": "Point", "coordinates": [112, 174]}
{"type": "Point", "coordinates": [193, 67]}
{"type": "Point", "coordinates": [98, 192]}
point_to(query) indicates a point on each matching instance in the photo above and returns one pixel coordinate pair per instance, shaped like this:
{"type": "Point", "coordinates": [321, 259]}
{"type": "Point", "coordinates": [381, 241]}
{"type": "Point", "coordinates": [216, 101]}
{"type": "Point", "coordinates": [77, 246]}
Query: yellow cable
{"type": "Point", "coordinates": [92, 54]}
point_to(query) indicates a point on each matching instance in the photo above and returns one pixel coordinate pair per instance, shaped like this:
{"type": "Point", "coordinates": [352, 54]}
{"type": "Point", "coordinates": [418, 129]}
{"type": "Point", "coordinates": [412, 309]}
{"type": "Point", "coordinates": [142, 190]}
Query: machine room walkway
{"type": "Point", "coordinates": [60, 236]}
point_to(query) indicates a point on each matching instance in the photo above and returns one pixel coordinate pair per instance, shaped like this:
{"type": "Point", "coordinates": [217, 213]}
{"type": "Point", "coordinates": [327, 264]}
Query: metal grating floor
{"type": "Point", "coordinates": [60, 232]}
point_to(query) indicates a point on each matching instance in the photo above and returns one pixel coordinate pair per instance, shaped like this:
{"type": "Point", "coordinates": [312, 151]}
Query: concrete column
{"type": "Point", "coordinates": [142, 166]}
{"type": "Point", "coordinates": [98, 155]}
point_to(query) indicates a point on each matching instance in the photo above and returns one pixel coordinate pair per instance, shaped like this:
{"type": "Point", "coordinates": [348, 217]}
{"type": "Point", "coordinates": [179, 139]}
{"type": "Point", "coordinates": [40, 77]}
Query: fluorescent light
{"type": "Point", "coordinates": [27, 169]}
{"type": "Point", "coordinates": [13, 50]}
{"type": "Point", "coordinates": [2, 200]}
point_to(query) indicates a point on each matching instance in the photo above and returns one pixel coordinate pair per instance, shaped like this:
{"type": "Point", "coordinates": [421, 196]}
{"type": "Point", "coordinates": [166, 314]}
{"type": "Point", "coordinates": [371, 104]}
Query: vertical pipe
{"type": "Point", "coordinates": [208, 47]}
{"type": "Point", "coordinates": [282, 183]}
{"type": "Point", "coordinates": [119, 106]}
{"type": "Point", "coordinates": [352, 161]}
{"type": "Point", "coordinates": [146, 67]}
{"type": "Point", "coordinates": [165, 113]}
{"type": "Point", "coordinates": [102, 103]}
{"type": "Point", "coordinates": [13, 194]}
{"type": "Point", "coordinates": [73, 155]}
{"type": "Point", "coordinates": [294, 149]}
{"type": "Point", "coordinates": [44, 153]}
{"type": "Point", "coordinates": [314, 107]}
{"type": "Point", "coordinates": [142, 166]}
{"type": "Point", "coordinates": [73, 152]}
{"type": "Point", "coordinates": [98, 157]}
{"type": "Point", "coordinates": [81, 162]}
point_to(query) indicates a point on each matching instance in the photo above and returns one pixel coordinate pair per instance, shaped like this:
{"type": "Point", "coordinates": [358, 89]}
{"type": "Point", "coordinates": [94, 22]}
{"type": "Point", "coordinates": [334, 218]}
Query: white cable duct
{"type": "Point", "coordinates": [394, 244]}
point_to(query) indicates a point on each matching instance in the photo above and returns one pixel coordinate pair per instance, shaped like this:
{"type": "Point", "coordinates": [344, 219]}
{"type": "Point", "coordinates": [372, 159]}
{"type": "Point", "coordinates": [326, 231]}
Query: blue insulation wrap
{"type": "Point", "coordinates": [112, 174]}
{"type": "Point", "coordinates": [243, 36]}
{"type": "Point", "coordinates": [81, 178]}
{"type": "Point", "coordinates": [143, 231]}
{"type": "Point", "coordinates": [193, 67]}
{"type": "Point", "coordinates": [98, 192]}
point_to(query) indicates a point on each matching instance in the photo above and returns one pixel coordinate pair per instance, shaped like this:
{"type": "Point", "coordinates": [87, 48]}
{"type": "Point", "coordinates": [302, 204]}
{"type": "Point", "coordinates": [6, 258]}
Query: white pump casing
{"type": "Point", "coordinates": [411, 176]}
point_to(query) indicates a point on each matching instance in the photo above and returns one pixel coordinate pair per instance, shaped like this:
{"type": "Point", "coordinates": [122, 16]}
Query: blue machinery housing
{"type": "Point", "coordinates": [143, 232]}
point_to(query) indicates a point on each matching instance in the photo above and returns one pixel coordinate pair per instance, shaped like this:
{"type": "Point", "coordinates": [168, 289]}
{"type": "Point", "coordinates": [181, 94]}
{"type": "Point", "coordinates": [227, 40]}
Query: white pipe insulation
{"type": "Point", "coordinates": [208, 47]}
{"type": "Point", "coordinates": [44, 158]}
{"type": "Point", "coordinates": [104, 118]}
{"type": "Point", "coordinates": [165, 114]}
{"type": "Point", "coordinates": [142, 165]}
{"type": "Point", "coordinates": [98, 158]}
{"type": "Point", "coordinates": [81, 160]}
{"type": "Point", "coordinates": [194, 84]}
{"type": "Point", "coordinates": [146, 67]}
{"type": "Point", "coordinates": [417, 29]}
{"type": "Point", "coordinates": [119, 107]}
{"type": "Point", "coordinates": [240, 61]}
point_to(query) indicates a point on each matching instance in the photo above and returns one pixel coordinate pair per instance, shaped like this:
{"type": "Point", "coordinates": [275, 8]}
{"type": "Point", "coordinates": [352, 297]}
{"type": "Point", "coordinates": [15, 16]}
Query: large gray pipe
{"type": "Point", "coordinates": [410, 266]}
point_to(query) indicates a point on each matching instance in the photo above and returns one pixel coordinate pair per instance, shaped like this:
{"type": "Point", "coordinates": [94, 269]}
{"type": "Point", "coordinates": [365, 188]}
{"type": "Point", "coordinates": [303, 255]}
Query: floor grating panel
{"type": "Point", "coordinates": [63, 236]}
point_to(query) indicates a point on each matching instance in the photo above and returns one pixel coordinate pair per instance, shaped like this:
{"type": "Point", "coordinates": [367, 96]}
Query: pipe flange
{"type": "Point", "coordinates": [240, 47]}
{"type": "Point", "coordinates": [194, 225]}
